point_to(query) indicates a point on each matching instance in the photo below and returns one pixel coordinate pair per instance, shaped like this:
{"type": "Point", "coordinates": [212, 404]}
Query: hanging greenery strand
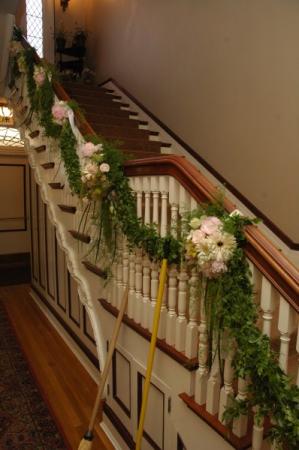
{"type": "Point", "coordinates": [230, 307]}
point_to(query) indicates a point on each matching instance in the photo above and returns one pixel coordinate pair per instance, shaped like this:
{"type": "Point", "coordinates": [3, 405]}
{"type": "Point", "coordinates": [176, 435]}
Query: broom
{"type": "Point", "coordinates": [86, 442]}
{"type": "Point", "coordinates": [151, 354]}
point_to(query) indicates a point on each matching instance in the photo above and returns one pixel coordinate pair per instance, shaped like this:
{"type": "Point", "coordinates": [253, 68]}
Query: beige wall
{"type": "Point", "coordinates": [224, 75]}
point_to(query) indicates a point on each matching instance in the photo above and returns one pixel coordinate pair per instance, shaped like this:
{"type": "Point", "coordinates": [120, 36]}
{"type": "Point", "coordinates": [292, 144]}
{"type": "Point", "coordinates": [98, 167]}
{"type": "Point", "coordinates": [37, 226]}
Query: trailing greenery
{"type": "Point", "coordinates": [230, 308]}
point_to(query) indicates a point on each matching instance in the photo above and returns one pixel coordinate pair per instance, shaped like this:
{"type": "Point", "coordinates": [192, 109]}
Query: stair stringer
{"type": "Point", "coordinates": [89, 289]}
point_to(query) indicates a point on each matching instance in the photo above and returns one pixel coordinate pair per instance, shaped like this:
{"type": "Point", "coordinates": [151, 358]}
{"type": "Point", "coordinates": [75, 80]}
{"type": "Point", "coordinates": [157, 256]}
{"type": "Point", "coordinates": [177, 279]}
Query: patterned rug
{"type": "Point", "coordinates": [25, 422]}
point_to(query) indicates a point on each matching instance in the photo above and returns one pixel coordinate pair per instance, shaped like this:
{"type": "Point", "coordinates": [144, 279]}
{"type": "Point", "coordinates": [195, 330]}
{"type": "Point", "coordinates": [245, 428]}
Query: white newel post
{"type": "Point", "coordinates": [286, 325]}
{"type": "Point", "coordinates": [192, 331]}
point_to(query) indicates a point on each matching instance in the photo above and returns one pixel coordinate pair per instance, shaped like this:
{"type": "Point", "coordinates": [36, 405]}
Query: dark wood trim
{"type": "Point", "coordinates": [146, 436]}
{"type": "Point", "coordinates": [56, 186]}
{"type": "Point", "coordinates": [259, 248]}
{"type": "Point", "coordinates": [48, 165]}
{"type": "Point", "coordinates": [95, 269]}
{"type": "Point", "coordinates": [52, 296]}
{"type": "Point", "coordinates": [69, 290]}
{"type": "Point", "coordinates": [80, 236]}
{"type": "Point", "coordinates": [14, 268]}
{"type": "Point", "coordinates": [34, 134]}
{"type": "Point", "coordinates": [119, 426]}
{"type": "Point", "coordinates": [72, 334]}
{"type": "Point", "coordinates": [126, 410]}
{"type": "Point", "coordinates": [270, 224]}
{"type": "Point", "coordinates": [225, 432]}
{"type": "Point", "coordinates": [189, 364]}
{"type": "Point", "coordinates": [40, 148]}
{"type": "Point", "coordinates": [67, 208]}
{"type": "Point", "coordinates": [24, 228]}
{"type": "Point", "coordinates": [60, 305]}
{"type": "Point", "coordinates": [85, 332]}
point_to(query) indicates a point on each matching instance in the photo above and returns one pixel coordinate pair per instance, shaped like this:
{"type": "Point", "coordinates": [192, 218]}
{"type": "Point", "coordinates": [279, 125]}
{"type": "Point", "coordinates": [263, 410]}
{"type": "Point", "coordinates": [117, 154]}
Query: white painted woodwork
{"type": "Point", "coordinates": [213, 384]}
{"type": "Point", "coordinates": [192, 329]}
{"type": "Point", "coordinates": [286, 324]}
{"type": "Point", "coordinates": [181, 320]}
{"type": "Point", "coordinates": [227, 390]}
{"type": "Point", "coordinates": [240, 424]}
{"type": "Point", "coordinates": [131, 299]}
{"type": "Point", "coordinates": [268, 305]}
{"type": "Point", "coordinates": [297, 350]}
{"type": "Point", "coordinates": [172, 303]}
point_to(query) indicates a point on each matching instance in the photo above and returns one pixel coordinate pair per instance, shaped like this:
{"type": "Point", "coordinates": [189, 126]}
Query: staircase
{"type": "Point", "coordinates": [186, 401]}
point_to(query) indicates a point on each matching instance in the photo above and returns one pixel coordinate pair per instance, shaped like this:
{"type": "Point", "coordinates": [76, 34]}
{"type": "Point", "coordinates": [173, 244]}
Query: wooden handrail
{"type": "Point", "coordinates": [269, 260]}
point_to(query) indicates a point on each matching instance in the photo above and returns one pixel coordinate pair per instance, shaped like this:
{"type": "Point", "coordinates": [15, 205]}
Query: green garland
{"type": "Point", "coordinates": [229, 299]}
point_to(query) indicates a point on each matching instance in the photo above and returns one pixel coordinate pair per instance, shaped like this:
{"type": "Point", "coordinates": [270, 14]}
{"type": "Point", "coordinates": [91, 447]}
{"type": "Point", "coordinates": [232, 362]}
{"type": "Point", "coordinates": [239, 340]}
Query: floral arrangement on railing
{"type": "Point", "coordinates": [210, 240]}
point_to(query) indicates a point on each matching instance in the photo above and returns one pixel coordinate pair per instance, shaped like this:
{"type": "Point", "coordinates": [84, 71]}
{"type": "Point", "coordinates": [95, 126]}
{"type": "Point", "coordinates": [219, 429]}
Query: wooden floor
{"type": "Point", "coordinates": [65, 385]}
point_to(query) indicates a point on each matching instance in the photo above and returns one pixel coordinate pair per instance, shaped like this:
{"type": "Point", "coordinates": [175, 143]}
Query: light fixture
{"type": "Point", "coordinates": [6, 115]}
{"type": "Point", "coordinates": [64, 4]}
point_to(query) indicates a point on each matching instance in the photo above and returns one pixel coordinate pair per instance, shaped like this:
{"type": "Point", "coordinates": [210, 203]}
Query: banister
{"type": "Point", "coordinates": [269, 260]}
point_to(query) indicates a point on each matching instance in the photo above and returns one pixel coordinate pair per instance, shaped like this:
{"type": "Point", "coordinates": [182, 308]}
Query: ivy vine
{"type": "Point", "coordinates": [229, 299]}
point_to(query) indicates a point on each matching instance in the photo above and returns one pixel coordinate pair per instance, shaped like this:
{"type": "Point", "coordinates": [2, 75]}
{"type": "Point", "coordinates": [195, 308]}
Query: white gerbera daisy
{"type": "Point", "coordinates": [222, 246]}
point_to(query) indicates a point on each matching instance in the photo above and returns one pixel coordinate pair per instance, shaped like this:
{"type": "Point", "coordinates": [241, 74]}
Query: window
{"type": "Point", "coordinates": [34, 20]}
{"type": "Point", "coordinates": [10, 137]}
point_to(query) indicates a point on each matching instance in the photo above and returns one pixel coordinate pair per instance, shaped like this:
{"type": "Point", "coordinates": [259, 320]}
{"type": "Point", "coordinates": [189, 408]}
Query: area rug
{"type": "Point", "coordinates": [25, 421]}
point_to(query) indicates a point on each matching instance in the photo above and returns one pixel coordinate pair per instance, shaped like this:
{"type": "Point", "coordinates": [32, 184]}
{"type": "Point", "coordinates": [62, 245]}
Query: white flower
{"type": "Point", "coordinates": [104, 167]}
{"type": "Point", "coordinates": [195, 223]}
{"type": "Point", "coordinates": [235, 212]}
{"type": "Point", "coordinates": [222, 246]}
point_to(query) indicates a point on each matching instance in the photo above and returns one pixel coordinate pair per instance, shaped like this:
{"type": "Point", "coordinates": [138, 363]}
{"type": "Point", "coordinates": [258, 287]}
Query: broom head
{"type": "Point", "coordinates": [86, 442]}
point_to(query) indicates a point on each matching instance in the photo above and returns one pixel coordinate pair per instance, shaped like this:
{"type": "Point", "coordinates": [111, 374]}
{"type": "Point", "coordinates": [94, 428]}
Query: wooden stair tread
{"type": "Point", "coordinates": [56, 185]}
{"type": "Point", "coordinates": [107, 100]}
{"type": "Point", "coordinates": [67, 208]}
{"type": "Point", "coordinates": [95, 269]}
{"type": "Point", "coordinates": [48, 165]}
{"type": "Point", "coordinates": [119, 121]}
{"type": "Point", "coordinates": [116, 132]}
{"type": "Point", "coordinates": [80, 236]}
{"type": "Point", "coordinates": [107, 110]}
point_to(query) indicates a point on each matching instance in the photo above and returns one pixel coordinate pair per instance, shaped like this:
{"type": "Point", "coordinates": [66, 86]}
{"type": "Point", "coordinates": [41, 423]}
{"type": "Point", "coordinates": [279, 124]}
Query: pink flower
{"type": "Point", "coordinates": [88, 149]}
{"type": "Point", "coordinates": [60, 112]}
{"type": "Point", "coordinates": [197, 237]}
{"type": "Point", "coordinates": [210, 225]}
{"type": "Point", "coordinates": [214, 269]}
{"type": "Point", "coordinates": [39, 75]}
{"type": "Point", "coordinates": [104, 167]}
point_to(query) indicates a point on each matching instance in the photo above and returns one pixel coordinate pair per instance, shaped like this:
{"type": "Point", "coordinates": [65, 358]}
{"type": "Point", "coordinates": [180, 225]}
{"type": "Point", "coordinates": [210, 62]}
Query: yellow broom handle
{"type": "Point", "coordinates": [150, 358]}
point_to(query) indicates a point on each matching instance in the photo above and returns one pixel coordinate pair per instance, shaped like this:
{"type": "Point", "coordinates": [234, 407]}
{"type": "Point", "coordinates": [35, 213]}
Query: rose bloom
{"type": "Point", "coordinates": [88, 149]}
{"type": "Point", "coordinates": [104, 167]}
{"type": "Point", "coordinates": [39, 75]}
{"type": "Point", "coordinates": [210, 225]}
{"type": "Point", "coordinates": [60, 112]}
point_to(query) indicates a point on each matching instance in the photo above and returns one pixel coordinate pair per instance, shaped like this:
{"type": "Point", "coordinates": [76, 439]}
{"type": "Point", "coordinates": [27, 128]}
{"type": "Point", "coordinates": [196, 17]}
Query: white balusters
{"type": "Point", "coordinates": [286, 324]}
{"type": "Point", "coordinates": [138, 259]}
{"type": "Point", "coordinates": [181, 321]}
{"type": "Point", "coordinates": [192, 332]}
{"type": "Point", "coordinates": [241, 422]}
{"type": "Point", "coordinates": [213, 385]}
{"type": "Point", "coordinates": [119, 270]}
{"type": "Point", "coordinates": [131, 298]}
{"type": "Point", "coordinates": [268, 304]}
{"type": "Point", "coordinates": [154, 291]}
{"type": "Point", "coordinates": [163, 186]}
{"type": "Point", "coordinates": [146, 263]}
{"type": "Point", "coordinates": [172, 301]}
{"type": "Point", "coordinates": [257, 432]}
{"type": "Point", "coordinates": [227, 390]}
{"type": "Point", "coordinates": [201, 377]}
